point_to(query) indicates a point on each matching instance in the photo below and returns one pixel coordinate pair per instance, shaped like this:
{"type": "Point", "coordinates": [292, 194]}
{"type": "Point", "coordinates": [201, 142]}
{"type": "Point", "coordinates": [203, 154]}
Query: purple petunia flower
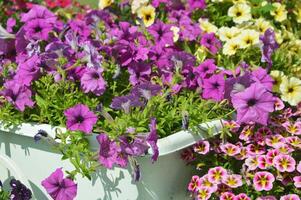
{"type": "Point", "coordinates": [108, 151]}
{"type": "Point", "coordinates": [19, 191]}
{"type": "Point", "coordinates": [58, 187]}
{"type": "Point", "coordinates": [92, 81]}
{"type": "Point", "coordinates": [253, 104]}
{"type": "Point", "coordinates": [207, 67]}
{"type": "Point", "coordinates": [261, 76]}
{"type": "Point", "coordinates": [196, 4]}
{"type": "Point", "coordinates": [213, 87]}
{"type": "Point", "coordinates": [146, 90]}
{"type": "Point", "coordinates": [37, 29]}
{"type": "Point", "coordinates": [125, 103]}
{"type": "Point", "coordinates": [133, 146]}
{"type": "Point", "coordinates": [139, 72]}
{"type": "Point", "coordinates": [28, 71]}
{"type": "Point", "coordinates": [39, 12]}
{"type": "Point", "coordinates": [236, 84]}
{"type": "Point", "coordinates": [80, 27]}
{"type": "Point", "coordinates": [17, 94]}
{"type": "Point", "coordinates": [269, 46]}
{"type": "Point", "coordinates": [211, 42]}
{"type": "Point", "coordinates": [152, 139]}
{"type": "Point", "coordinates": [80, 118]}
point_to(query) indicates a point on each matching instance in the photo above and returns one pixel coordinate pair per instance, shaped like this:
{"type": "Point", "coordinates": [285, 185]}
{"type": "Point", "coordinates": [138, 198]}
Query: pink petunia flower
{"type": "Point", "coordinates": [242, 196]}
{"type": "Point", "coordinates": [284, 163]}
{"type": "Point", "coordinates": [294, 129]}
{"type": "Point", "coordinates": [233, 180]}
{"type": "Point", "coordinates": [290, 197]}
{"type": "Point", "coordinates": [194, 183]}
{"type": "Point", "coordinates": [263, 181]}
{"type": "Point", "coordinates": [227, 196]}
{"type": "Point", "coordinates": [230, 149]}
{"type": "Point", "coordinates": [202, 147]}
{"type": "Point", "coordinates": [216, 174]}
{"type": "Point", "coordinates": [297, 181]}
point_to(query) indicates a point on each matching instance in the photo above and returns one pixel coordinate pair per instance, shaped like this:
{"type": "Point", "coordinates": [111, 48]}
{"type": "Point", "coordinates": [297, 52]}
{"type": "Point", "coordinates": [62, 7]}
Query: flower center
{"type": "Point", "coordinates": [79, 119]}
{"type": "Point", "coordinates": [251, 102]}
{"type": "Point", "coordinates": [215, 85]}
{"type": "Point", "coordinates": [95, 76]}
{"type": "Point", "coordinates": [37, 29]}
{"type": "Point", "coordinates": [290, 90]}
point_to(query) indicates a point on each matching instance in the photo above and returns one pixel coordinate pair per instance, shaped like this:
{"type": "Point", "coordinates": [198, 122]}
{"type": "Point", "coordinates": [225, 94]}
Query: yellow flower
{"type": "Point", "coordinates": [297, 12]}
{"type": "Point", "coordinates": [147, 14]}
{"type": "Point", "coordinates": [278, 37]}
{"type": "Point", "coordinates": [280, 13]}
{"type": "Point", "coordinates": [137, 4]}
{"type": "Point", "coordinates": [102, 4]}
{"type": "Point", "coordinates": [277, 76]}
{"type": "Point", "coordinates": [206, 26]}
{"type": "Point", "coordinates": [290, 89]}
{"type": "Point", "coordinates": [231, 46]}
{"type": "Point", "coordinates": [175, 31]}
{"type": "Point", "coordinates": [226, 33]}
{"type": "Point", "coordinates": [240, 12]}
{"type": "Point", "coordinates": [262, 25]}
{"type": "Point", "coordinates": [248, 38]}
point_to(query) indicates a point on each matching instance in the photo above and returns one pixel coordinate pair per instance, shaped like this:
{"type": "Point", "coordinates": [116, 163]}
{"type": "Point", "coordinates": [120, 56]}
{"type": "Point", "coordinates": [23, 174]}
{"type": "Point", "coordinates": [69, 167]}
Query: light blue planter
{"type": "Point", "coordinates": [166, 179]}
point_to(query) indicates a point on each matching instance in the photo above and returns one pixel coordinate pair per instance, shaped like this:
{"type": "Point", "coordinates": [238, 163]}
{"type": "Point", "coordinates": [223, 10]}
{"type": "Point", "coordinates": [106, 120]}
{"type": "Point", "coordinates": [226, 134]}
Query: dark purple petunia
{"type": "Point", "coordinates": [80, 118]}
{"type": "Point", "coordinates": [58, 187]}
{"type": "Point", "coordinates": [108, 151]}
{"type": "Point", "coordinates": [28, 71]}
{"type": "Point", "coordinates": [269, 46]}
{"type": "Point", "coordinates": [17, 94]}
{"type": "Point", "coordinates": [133, 146]}
{"type": "Point", "coordinates": [211, 42]}
{"type": "Point", "coordinates": [19, 191]}
{"type": "Point", "coordinates": [152, 139]}
{"type": "Point", "coordinates": [92, 81]}
{"type": "Point", "coordinates": [126, 103]}
{"type": "Point", "coordinates": [213, 87]}
{"type": "Point", "coordinates": [162, 34]}
{"type": "Point", "coordinates": [146, 90]}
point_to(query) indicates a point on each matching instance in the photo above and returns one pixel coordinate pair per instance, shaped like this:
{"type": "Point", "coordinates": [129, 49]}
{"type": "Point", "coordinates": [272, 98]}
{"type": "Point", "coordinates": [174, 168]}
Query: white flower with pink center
{"type": "Point", "coordinates": [246, 133]}
{"type": "Point", "coordinates": [233, 180]}
{"type": "Point", "coordinates": [202, 147]}
{"type": "Point", "coordinates": [284, 163]}
{"type": "Point", "coordinates": [290, 197]}
{"type": "Point", "coordinates": [230, 149]}
{"type": "Point", "coordinates": [263, 181]}
{"type": "Point", "coordinates": [297, 181]}
{"type": "Point", "coordinates": [275, 140]}
{"type": "Point", "coordinates": [252, 162]}
{"type": "Point", "coordinates": [242, 196]}
{"type": "Point", "coordinates": [194, 183]}
{"type": "Point", "coordinates": [294, 129]}
{"type": "Point", "coordinates": [263, 162]}
{"type": "Point", "coordinates": [272, 153]}
{"type": "Point", "coordinates": [227, 196]}
{"type": "Point", "coordinates": [216, 174]}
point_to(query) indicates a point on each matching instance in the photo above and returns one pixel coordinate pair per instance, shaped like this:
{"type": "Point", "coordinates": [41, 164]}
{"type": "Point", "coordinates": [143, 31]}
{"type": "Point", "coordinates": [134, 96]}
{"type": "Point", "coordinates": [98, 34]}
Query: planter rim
{"type": "Point", "coordinates": [166, 145]}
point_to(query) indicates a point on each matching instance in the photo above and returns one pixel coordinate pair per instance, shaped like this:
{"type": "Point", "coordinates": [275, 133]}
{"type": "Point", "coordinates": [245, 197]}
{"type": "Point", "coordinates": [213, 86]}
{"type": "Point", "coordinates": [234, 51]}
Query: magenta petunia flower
{"type": "Point", "coordinates": [37, 29]}
{"type": "Point", "coordinates": [133, 146]}
{"type": "Point", "coordinates": [92, 81]}
{"type": "Point", "coordinates": [108, 151]}
{"type": "Point", "coordinates": [253, 104]}
{"type": "Point", "coordinates": [233, 180]}
{"type": "Point", "coordinates": [146, 90]}
{"type": "Point", "coordinates": [202, 147]}
{"type": "Point", "coordinates": [80, 118]}
{"type": "Point", "coordinates": [297, 181]}
{"type": "Point", "coordinates": [28, 70]}
{"type": "Point", "coordinates": [227, 196]}
{"type": "Point", "coordinates": [58, 187]}
{"type": "Point", "coordinates": [39, 12]}
{"type": "Point", "coordinates": [17, 94]}
{"type": "Point", "coordinates": [207, 67]}
{"type": "Point", "coordinates": [290, 197]}
{"type": "Point", "coordinates": [230, 149]}
{"type": "Point", "coordinates": [211, 42]}
{"type": "Point", "coordinates": [261, 76]}
{"type": "Point", "coordinates": [284, 163]}
{"type": "Point", "coordinates": [126, 103]}
{"type": "Point", "coordinates": [194, 183]}
{"type": "Point", "coordinates": [196, 4]}
{"type": "Point", "coordinates": [213, 87]}
{"type": "Point", "coordinates": [263, 181]}
{"type": "Point", "coordinates": [242, 196]}
{"type": "Point", "coordinates": [216, 174]}
{"type": "Point", "coordinates": [152, 139]}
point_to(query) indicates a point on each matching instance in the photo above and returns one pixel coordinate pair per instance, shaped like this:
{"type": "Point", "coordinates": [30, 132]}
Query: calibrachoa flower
{"type": "Point", "coordinates": [263, 162]}
{"type": "Point", "coordinates": [290, 197]}
{"type": "Point", "coordinates": [294, 129]}
{"type": "Point", "coordinates": [208, 184]}
{"type": "Point", "coordinates": [203, 193]}
{"type": "Point", "coordinates": [233, 180]}
{"type": "Point", "coordinates": [216, 174]}
{"type": "Point", "coordinates": [202, 147]}
{"type": "Point", "coordinates": [242, 196]}
{"type": "Point", "coordinates": [263, 181]}
{"type": "Point", "coordinates": [297, 181]}
{"type": "Point", "coordinates": [254, 104]}
{"type": "Point", "coordinates": [284, 163]}
{"type": "Point", "coordinates": [266, 198]}
{"type": "Point", "coordinates": [227, 196]}
{"type": "Point", "coordinates": [299, 167]}
{"type": "Point", "coordinates": [80, 118]}
{"type": "Point", "coordinates": [58, 187]}
{"type": "Point", "coordinates": [252, 162]}
{"type": "Point", "coordinates": [230, 149]}
{"type": "Point", "coordinates": [194, 183]}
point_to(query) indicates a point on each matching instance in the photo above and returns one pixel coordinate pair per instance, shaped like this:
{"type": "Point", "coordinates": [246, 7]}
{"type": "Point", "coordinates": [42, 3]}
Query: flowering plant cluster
{"type": "Point", "coordinates": [18, 191]}
{"type": "Point", "coordinates": [134, 71]}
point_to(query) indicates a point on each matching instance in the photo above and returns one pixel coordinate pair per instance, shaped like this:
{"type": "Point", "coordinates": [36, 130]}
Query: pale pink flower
{"type": "Point", "coordinates": [284, 163]}
{"type": "Point", "coordinates": [295, 141]}
{"type": "Point", "coordinates": [297, 181]}
{"type": "Point", "coordinates": [294, 129]}
{"type": "Point", "coordinates": [231, 125]}
{"type": "Point", "coordinates": [194, 183]}
{"type": "Point", "coordinates": [243, 154]}
{"type": "Point", "coordinates": [263, 162]}
{"type": "Point", "coordinates": [208, 184]}
{"type": "Point", "coordinates": [299, 167]}
{"type": "Point", "coordinates": [285, 149]}
{"type": "Point", "coordinates": [227, 196]}
{"type": "Point", "coordinates": [230, 149]}
{"type": "Point", "coordinates": [202, 147]}
{"type": "Point", "coordinates": [266, 198]}
{"type": "Point", "coordinates": [242, 196]}
{"type": "Point", "coordinates": [274, 140]}
{"type": "Point", "coordinates": [272, 153]}
{"type": "Point", "coordinates": [290, 197]}
{"type": "Point", "coordinates": [233, 180]}
{"type": "Point", "coordinates": [252, 162]}
{"type": "Point", "coordinates": [263, 181]}
{"type": "Point", "coordinates": [203, 194]}
{"type": "Point", "coordinates": [216, 174]}
{"type": "Point", "coordinates": [246, 133]}
{"type": "Point", "coordinates": [279, 105]}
